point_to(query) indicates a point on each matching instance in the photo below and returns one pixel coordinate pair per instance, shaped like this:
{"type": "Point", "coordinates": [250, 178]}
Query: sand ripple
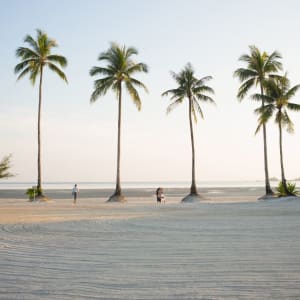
{"type": "Point", "coordinates": [230, 251]}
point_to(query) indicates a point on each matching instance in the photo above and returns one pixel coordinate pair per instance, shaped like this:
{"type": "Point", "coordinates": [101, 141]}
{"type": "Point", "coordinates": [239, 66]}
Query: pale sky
{"type": "Point", "coordinates": [80, 140]}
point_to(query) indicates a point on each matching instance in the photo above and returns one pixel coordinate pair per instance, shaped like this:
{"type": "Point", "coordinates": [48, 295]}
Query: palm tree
{"type": "Point", "coordinates": [260, 66]}
{"type": "Point", "coordinates": [117, 73]}
{"type": "Point", "coordinates": [193, 90]}
{"type": "Point", "coordinates": [33, 61]}
{"type": "Point", "coordinates": [277, 99]}
{"type": "Point", "coordinates": [5, 166]}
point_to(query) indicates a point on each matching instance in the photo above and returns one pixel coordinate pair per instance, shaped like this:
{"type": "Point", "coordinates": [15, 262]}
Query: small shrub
{"type": "Point", "coordinates": [32, 193]}
{"type": "Point", "coordinates": [291, 187]}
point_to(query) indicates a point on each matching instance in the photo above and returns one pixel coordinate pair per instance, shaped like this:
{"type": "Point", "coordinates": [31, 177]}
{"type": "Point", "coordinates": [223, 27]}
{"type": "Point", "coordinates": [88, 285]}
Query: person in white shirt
{"type": "Point", "coordinates": [75, 192]}
{"type": "Point", "coordinates": [160, 197]}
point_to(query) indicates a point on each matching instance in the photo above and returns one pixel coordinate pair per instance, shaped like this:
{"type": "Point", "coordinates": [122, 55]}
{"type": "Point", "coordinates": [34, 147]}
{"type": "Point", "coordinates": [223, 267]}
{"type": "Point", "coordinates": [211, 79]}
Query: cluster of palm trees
{"type": "Point", "coordinates": [275, 93]}
{"type": "Point", "coordinates": [117, 75]}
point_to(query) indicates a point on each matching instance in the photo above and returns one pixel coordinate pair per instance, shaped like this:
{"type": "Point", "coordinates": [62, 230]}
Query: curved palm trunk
{"type": "Point", "coordinates": [193, 186]}
{"type": "Point", "coordinates": [118, 191]}
{"type": "Point", "coordinates": [283, 180]}
{"type": "Point", "coordinates": [39, 179]}
{"type": "Point", "coordinates": [267, 179]}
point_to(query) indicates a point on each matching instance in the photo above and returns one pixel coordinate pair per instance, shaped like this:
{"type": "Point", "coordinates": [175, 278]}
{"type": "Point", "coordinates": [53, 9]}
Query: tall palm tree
{"type": "Point", "coordinates": [260, 66]}
{"type": "Point", "coordinates": [34, 60]}
{"type": "Point", "coordinates": [277, 99]}
{"type": "Point", "coordinates": [115, 75]}
{"type": "Point", "coordinates": [193, 90]}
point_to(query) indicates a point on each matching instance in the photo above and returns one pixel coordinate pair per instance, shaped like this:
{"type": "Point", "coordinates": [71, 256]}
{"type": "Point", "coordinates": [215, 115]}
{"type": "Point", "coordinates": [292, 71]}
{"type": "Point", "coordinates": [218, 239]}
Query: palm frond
{"type": "Point", "coordinates": [203, 89]}
{"type": "Point", "coordinates": [174, 104]}
{"type": "Point", "coordinates": [194, 114]}
{"type": "Point", "coordinates": [291, 92]}
{"type": "Point", "coordinates": [28, 63]}
{"type": "Point", "coordinates": [61, 60]}
{"type": "Point", "coordinates": [285, 121]}
{"type": "Point", "coordinates": [175, 76]}
{"type": "Point", "coordinates": [139, 67]}
{"type": "Point", "coordinates": [119, 67]}
{"type": "Point", "coordinates": [245, 87]}
{"type": "Point", "coordinates": [204, 98]}
{"type": "Point", "coordinates": [34, 72]}
{"type": "Point", "coordinates": [26, 53]}
{"type": "Point", "coordinates": [191, 88]}
{"type": "Point", "coordinates": [272, 63]}
{"type": "Point", "coordinates": [134, 94]}
{"type": "Point", "coordinates": [265, 113]}
{"type": "Point", "coordinates": [275, 76]}
{"type": "Point", "coordinates": [245, 58]}
{"type": "Point", "coordinates": [197, 107]}
{"type": "Point", "coordinates": [244, 74]}
{"type": "Point", "coordinates": [37, 56]}
{"type": "Point", "coordinates": [260, 124]}
{"type": "Point", "coordinates": [201, 81]}
{"type": "Point", "coordinates": [32, 43]}
{"type": "Point", "coordinates": [116, 88]}
{"type": "Point", "coordinates": [171, 91]}
{"type": "Point", "coordinates": [101, 87]}
{"type": "Point", "coordinates": [106, 55]}
{"type": "Point", "coordinates": [24, 72]}
{"type": "Point", "coordinates": [58, 71]}
{"type": "Point", "coordinates": [293, 106]}
{"type": "Point", "coordinates": [260, 97]}
{"type": "Point", "coordinates": [101, 71]}
{"type": "Point", "coordinates": [5, 165]}
{"type": "Point", "coordinates": [138, 83]}
{"type": "Point", "coordinates": [259, 68]}
{"type": "Point", "coordinates": [129, 52]}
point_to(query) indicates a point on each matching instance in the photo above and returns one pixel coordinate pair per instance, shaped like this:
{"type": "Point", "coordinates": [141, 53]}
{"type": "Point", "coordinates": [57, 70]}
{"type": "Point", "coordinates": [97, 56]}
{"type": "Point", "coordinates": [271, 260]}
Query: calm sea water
{"type": "Point", "coordinates": [133, 184]}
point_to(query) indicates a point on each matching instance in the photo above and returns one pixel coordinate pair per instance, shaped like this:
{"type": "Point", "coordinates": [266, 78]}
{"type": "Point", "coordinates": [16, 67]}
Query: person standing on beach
{"type": "Point", "coordinates": [160, 195]}
{"type": "Point", "coordinates": [75, 192]}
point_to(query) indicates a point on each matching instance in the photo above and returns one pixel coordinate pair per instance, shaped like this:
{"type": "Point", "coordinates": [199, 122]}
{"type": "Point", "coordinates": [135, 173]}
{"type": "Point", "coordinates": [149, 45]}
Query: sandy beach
{"type": "Point", "coordinates": [228, 246]}
{"type": "Point", "coordinates": [15, 208]}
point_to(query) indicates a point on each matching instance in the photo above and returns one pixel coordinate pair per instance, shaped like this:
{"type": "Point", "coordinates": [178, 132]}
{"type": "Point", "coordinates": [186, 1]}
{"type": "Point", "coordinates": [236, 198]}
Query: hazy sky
{"type": "Point", "coordinates": [80, 140]}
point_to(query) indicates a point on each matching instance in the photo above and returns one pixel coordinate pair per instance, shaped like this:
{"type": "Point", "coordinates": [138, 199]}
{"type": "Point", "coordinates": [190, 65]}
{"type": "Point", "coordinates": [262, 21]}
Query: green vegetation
{"type": "Point", "coordinates": [33, 192]}
{"type": "Point", "coordinates": [194, 90]}
{"type": "Point", "coordinates": [287, 189]}
{"type": "Point", "coordinates": [33, 61]}
{"type": "Point", "coordinates": [118, 73]}
{"type": "Point", "coordinates": [277, 99]}
{"type": "Point", "coordinates": [261, 72]}
{"type": "Point", "coordinates": [5, 166]}
{"type": "Point", "coordinates": [260, 67]}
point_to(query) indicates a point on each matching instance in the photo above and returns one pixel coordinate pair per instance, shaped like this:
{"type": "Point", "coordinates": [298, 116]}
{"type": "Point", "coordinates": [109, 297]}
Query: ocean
{"type": "Point", "coordinates": [15, 185]}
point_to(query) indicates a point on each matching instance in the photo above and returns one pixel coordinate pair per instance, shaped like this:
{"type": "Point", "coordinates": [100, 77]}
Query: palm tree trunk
{"type": "Point", "coordinates": [193, 186]}
{"type": "Point", "coordinates": [283, 180]}
{"type": "Point", "coordinates": [118, 191]}
{"type": "Point", "coordinates": [39, 179]}
{"type": "Point", "coordinates": [267, 179]}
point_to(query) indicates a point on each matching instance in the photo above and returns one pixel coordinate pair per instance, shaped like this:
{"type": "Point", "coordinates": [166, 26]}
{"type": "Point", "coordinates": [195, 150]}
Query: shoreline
{"type": "Point", "coordinates": [15, 208]}
{"type": "Point", "coordinates": [206, 192]}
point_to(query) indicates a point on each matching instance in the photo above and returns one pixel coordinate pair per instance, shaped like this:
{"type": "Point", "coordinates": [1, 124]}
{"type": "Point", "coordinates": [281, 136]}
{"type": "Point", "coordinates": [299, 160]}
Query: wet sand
{"type": "Point", "coordinates": [225, 247]}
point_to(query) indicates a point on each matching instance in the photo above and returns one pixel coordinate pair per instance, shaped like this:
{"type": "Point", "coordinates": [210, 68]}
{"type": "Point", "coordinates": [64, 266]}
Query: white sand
{"type": "Point", "coordinates": [221, 248]}
{"type": "Point", "coordinates": [22, 211]}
